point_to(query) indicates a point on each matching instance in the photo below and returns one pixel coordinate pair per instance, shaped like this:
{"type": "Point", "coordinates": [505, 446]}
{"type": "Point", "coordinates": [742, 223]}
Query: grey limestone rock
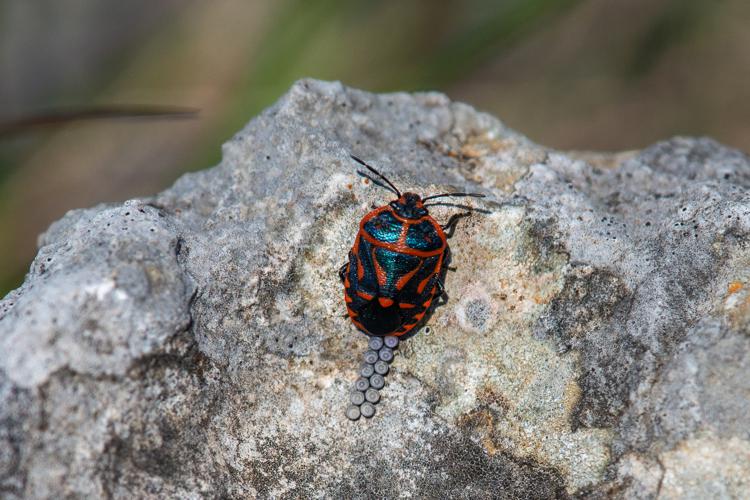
{"type": "Point", "coordinates": [596, 340]}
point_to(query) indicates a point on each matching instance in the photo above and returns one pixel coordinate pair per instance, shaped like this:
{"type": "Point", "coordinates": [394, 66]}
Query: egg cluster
{"type": "Point", "coordinates": [366, 392]}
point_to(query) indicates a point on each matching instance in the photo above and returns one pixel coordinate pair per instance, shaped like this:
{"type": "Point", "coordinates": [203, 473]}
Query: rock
{"type": "Point", "coordinates": [595, 341]}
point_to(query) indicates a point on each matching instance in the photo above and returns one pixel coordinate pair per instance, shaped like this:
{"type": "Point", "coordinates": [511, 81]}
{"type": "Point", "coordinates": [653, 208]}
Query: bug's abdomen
{"type": "Point", "coordinates": [388, 292]}
{"type": "Point", "coordinates": [393, 271]}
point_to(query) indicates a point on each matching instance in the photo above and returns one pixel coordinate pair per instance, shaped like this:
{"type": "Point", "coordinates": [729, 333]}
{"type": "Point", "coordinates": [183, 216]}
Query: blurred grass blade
{"type": "Point", "coordinates": [63, 116]}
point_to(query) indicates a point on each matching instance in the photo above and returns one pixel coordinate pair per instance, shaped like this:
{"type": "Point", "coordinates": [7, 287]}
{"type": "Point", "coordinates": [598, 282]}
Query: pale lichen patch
{"type": "Point", "coordinates": [511, 391]}
{"type": "Point", "coordinates": [707, 467]}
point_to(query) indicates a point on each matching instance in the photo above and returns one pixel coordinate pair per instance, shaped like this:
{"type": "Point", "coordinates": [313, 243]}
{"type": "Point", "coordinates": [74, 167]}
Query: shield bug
{"type": "Point", "coordinates": [397, 262]}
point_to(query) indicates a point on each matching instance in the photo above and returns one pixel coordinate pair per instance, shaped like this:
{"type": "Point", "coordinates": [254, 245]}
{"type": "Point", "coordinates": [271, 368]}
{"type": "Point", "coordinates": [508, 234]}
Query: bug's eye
{"type": "Point", "coordinates": [394, 204]}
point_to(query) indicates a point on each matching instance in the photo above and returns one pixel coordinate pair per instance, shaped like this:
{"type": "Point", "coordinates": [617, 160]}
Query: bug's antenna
{"type": "Point", "coordinates": [371, 169]}
{"type": "Point", "coordinates": [473, 195]}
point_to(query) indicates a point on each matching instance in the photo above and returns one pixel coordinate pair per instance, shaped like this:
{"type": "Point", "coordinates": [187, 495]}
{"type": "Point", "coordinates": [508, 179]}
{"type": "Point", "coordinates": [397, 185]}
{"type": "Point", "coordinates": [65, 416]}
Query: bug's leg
{"type": "Point", "coordinates": [447, 260]}
{"type": "Point", "coordinates": [450, 226]}
{"type": "Point", "coordinates": [440, 293]}
{"type": "Point", "coordinates": [342, 271]}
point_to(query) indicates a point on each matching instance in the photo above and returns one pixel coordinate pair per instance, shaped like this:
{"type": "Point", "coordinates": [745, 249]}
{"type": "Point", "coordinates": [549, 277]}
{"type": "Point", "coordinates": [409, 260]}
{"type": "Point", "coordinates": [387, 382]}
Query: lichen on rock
{"type": "Point", "coordinates": [594, 343]}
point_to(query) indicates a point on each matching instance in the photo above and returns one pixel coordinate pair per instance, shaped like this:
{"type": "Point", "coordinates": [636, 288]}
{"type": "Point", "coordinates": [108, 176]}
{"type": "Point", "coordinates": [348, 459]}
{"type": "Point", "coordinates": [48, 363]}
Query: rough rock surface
{"type": "Point", "coordinates": [595, 343]}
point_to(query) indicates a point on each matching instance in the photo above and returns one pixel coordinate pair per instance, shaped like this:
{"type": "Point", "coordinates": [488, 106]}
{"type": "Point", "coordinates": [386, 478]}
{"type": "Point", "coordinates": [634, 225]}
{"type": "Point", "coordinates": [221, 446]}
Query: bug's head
{"type": "Point", "coordinates": [409, 206]}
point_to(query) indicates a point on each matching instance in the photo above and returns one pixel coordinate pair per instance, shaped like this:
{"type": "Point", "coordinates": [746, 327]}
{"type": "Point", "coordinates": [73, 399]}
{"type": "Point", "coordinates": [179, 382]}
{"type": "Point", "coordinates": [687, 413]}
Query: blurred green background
{"type": "Point", "coordinates": [573, 74]}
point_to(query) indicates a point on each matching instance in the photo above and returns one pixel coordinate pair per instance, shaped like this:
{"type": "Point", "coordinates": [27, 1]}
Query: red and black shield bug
{"type": "Point", "coordinates": [397, 263]}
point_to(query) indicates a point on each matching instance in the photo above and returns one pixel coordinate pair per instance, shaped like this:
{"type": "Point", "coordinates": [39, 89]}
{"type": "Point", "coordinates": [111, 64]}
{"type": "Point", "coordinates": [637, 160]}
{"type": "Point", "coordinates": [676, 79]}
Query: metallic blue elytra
{"type": "Point", "coordinates": [385, 227]}
{"type": "Point", "coordinates": [423, 236]}
{"type": "Point", "coordinates": [394, 265]}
